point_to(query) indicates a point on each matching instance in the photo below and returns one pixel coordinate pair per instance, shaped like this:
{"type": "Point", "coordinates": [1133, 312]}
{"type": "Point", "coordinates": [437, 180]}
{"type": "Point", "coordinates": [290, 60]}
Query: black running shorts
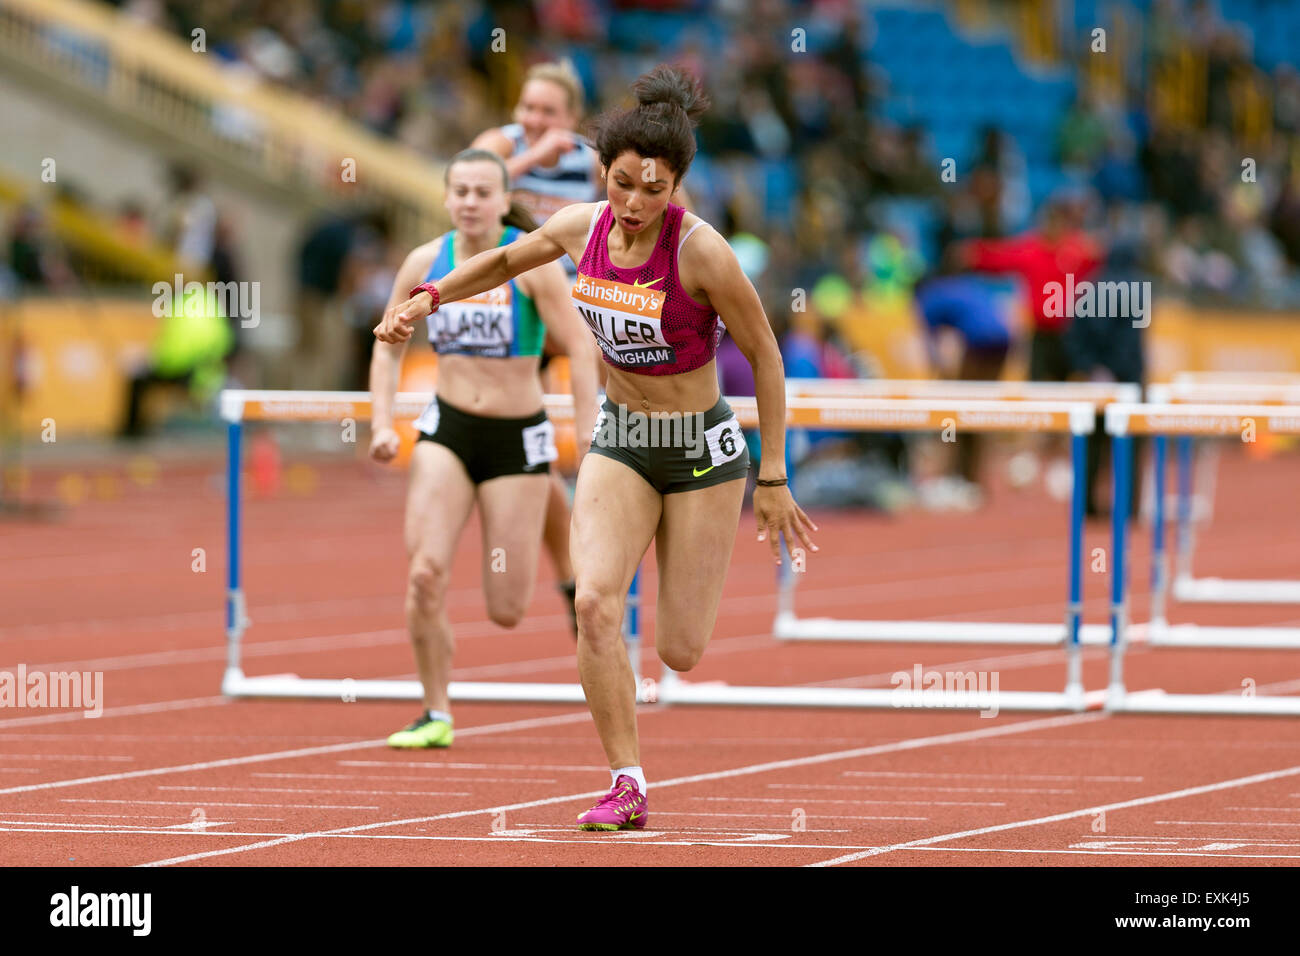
{"type": "Point", "coordinates": [674, 452]}
{"type": "Point", "coordinates": [490, 447]}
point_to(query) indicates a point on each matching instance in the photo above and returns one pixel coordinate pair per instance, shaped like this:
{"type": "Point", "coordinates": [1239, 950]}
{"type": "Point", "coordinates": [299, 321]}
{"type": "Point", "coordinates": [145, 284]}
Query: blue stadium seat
{"type": "Point", "coordinates": [957, 85]}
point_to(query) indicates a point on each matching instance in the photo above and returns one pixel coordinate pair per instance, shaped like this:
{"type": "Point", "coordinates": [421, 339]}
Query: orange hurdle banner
{"type": "Point", "coordinates": [868, 414]}
{"type": "Point", "coordinates": [1099, 393]}
{"type": "Point", "coordinates": [911, 414]}
{"type": "Point", "coordinates": [1212, 420]}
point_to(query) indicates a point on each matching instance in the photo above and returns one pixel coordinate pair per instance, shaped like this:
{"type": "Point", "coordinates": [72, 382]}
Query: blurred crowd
{"type": "Point", "coordinates": [818, 191]}
{"type": "Point", "coordinates": [795, 151]}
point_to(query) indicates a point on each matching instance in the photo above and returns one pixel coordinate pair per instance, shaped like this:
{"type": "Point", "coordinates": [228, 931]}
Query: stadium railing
{"type": "Point", "coordinates": [159, 80]}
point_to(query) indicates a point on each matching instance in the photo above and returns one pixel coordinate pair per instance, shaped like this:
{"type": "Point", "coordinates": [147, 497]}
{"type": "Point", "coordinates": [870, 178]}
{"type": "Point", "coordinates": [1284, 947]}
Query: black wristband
{"type": "Point", "coordinates": [771, 482]}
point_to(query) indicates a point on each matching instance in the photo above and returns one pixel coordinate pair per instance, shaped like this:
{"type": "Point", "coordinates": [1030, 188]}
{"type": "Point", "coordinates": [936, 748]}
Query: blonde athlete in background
{"type": "Point", "coordinates": [652, 282]}
{"type": "Point", "coordinates": [549, 164]}
{"type": "Point", "coordinates": [550, 167]}
{"type": "Point", "coordinates": [485, 437]}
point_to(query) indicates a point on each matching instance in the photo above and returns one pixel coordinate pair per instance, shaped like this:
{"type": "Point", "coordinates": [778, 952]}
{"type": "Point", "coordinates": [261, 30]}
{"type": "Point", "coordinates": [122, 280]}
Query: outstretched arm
{"type": "Point", "coordinates": [733, 296]}
{"type": "Point", "coordinates": [489, 269]}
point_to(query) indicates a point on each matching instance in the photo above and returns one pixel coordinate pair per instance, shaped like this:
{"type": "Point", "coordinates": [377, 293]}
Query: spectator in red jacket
{"type": "Point", "coordinates": [1043, 260]}
{"type": "Point", "coordinates": [1051, 262]}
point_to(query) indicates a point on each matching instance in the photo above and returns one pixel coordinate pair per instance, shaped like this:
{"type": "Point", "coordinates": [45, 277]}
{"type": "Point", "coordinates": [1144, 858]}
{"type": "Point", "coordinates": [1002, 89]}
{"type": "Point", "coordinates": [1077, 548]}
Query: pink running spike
{"type": "Point", "coordinates": [624, 808]}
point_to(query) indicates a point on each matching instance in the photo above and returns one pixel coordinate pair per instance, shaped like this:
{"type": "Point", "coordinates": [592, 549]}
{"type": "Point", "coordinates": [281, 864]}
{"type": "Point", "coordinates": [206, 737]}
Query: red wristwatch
{"type": "Point", "coordinates": [430, 288]}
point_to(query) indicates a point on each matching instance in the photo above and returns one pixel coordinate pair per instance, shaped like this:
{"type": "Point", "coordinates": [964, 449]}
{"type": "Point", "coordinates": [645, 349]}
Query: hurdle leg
{"type": "Point", "coordinates": [1121, 457]}
{"type": "Point", "coordinates": [632, 629]}
{"type": "Point", "coordinates": [1159, 559]}
{"type": "Point", "coordinates": [785, 577]}
{"type": "Point", "coordinates": [236, 610]}
{"type": "Point", "coordinates": [1074, 607]}
{"type": "Point", "coordinates": [1183, 555]}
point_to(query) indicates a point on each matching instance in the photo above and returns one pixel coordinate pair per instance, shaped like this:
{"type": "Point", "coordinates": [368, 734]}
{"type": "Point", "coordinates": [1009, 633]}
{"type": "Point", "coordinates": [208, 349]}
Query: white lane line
{"type": "Point", "coordinates": [771, 816]}
{"type": "Point", "coordinates": [982, 776]}
{"type": "Point", "coordinates": [1208, 856]}
{"type": "Point", "coordinates": [407, 777]}
{"type": "Point", "coordinates": [1270, 809]}
{"type": "Point", "coordinates": [788, 801]}
{"type": "Point", "coordinates": [204, 765]}
{"type": "Point", "coordinates": [1252, 840]}
{"type": "Point", "coordinates": [218, 803]}
{"type": "Point", "coordinates": [886, 786]}
{"type": "Point", "coordinates": [155, 707]}
{"type": "Point", "coordinates": [914, 743]}
{"type": "Point", "coordinates": [371, 793]}
{"type": "Point", "coordinates": [1224, 823]}
{"type": "Point", "coordinates": [1147, 743]}
{"type": "Point", "coordinates": [74, 827]}
{"type": "Point", "coordinates": [290, 754]}
{"type": "Point", "coordinates": [65, 757]}
{"type": "Point", "coordinates": [1070, 815]}
{"type": "Point", "coordinates": [552, 828]}
{"type": "Point", "coordinates": [114, 816]}
{"type": "Point", "coordinates": [427, 765]}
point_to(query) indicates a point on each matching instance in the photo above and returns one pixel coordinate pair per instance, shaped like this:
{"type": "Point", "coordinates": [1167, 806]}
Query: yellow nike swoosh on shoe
{"type": "Point", "coordinates": [697, 472]}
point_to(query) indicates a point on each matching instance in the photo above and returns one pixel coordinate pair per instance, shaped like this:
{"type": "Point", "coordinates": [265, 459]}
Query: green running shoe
{"type": "Point", "coordinates": [425, 732]}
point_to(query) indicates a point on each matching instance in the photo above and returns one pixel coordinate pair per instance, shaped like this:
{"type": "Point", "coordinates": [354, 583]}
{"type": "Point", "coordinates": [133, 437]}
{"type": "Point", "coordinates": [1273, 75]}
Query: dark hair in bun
{"type": "Point", "coordinates": [669, 103]}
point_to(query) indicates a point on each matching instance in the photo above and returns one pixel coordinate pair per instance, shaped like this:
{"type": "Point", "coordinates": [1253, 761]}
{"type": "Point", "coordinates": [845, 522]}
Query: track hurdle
{"type": "Point", "coordinates": [1122, 422]}
{"type": "Point", "coordinates": [884, 414]}
{"type": "Point", "coordinates": [876, 414]}
{"type": "Point", "coordinates": [238, 407]}
{"type": "Point", "coordinates": [1185, 586]}
{"type": "Point", "coordinates": [789, 626]}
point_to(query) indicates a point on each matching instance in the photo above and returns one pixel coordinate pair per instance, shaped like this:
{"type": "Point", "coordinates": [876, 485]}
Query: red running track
{"type": "Point", "coordinates": [174, 773]}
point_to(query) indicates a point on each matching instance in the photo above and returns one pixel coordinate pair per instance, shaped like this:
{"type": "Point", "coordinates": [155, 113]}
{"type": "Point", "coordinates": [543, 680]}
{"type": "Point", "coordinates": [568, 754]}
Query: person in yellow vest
{"type": "Point", "coordinates": [190, 349]}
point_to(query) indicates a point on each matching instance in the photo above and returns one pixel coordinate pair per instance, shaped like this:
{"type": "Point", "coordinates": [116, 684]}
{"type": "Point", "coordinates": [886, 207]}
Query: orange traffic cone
{"type": "Point", "coordinates": [264, 463]}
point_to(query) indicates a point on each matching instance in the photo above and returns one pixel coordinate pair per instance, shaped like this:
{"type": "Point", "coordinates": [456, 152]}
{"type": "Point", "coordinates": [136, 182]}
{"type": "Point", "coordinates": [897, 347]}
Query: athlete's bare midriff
{"type": "Point", "coordinates": [693, 391]}
{"type": "Point", "coordinates": [494, 387]}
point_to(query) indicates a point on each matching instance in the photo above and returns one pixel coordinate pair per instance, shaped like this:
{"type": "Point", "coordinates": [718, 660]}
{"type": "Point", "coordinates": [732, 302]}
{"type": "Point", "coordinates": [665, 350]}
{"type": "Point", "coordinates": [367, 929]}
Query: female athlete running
{"type": "Point", "coordinates": [652, 282]}
{"type": "Point", "coordinates": [485, 436]}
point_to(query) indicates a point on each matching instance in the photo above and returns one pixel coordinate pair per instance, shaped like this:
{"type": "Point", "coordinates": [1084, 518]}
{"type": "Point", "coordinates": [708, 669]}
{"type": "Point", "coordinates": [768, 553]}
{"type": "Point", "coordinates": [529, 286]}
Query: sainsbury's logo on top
{"type": "Point", "coordinates": [639, 299]}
